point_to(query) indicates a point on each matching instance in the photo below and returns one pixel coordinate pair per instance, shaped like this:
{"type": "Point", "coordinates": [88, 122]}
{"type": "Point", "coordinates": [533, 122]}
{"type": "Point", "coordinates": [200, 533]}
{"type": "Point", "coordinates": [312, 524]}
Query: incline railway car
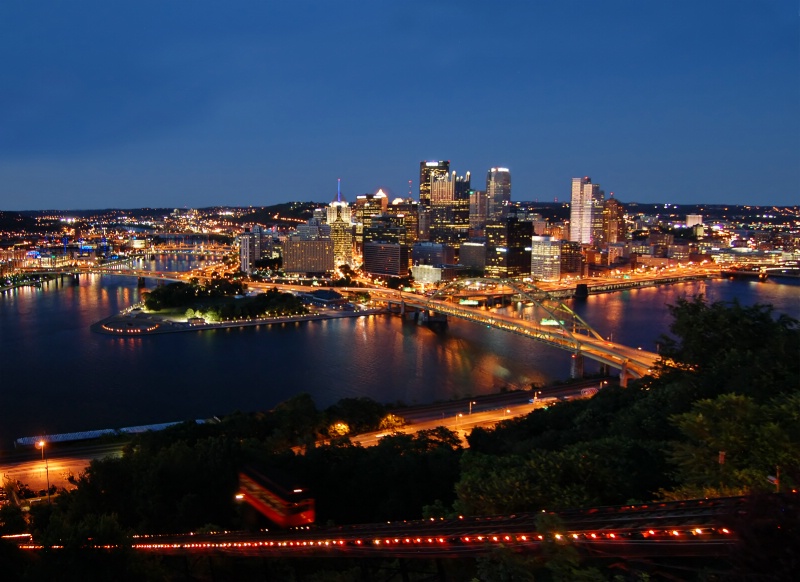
{"type": "Point", "coordinates": [284, 504]}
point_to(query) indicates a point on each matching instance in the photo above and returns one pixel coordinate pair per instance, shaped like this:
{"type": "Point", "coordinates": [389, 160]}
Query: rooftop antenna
{"type": "Point", "coordinates": [338, 189]}
{"type": "Point", "coordinates": [409, 189]}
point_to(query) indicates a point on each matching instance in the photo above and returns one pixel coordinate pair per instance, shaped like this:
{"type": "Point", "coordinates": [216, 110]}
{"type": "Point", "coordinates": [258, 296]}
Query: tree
{"type": "Point", "coordinates": [730, 348]}
{"type": "Point", "coordinates": [731, 444]}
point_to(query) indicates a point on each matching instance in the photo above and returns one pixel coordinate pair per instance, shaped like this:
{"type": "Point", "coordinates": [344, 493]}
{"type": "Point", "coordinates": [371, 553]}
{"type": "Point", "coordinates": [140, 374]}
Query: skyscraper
{"type": "Point", "coordinates": [341, 230]}
{"type": "Point", "coordinates": [247, 251]}
{"type": "Point", "coordinates": [450, 209]}
{"type": "Point", "coordinates": [586, 212]}
{"type": "Point", "coordinates": [545, 258]}
{"type": "Point", "coordinates": [428, 171]}
{"type": "Point", "coordinates": [613, 221]}
{"type": "Point", "coordinates": [477, 212]}
{"type": "Point", "coordinates": [508, 251]}
{"type": "Point", "coordinates": [498, 193]}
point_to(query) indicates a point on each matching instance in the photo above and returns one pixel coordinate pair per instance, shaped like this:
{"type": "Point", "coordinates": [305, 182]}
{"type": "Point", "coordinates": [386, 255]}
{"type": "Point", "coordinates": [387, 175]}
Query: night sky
{"type": "Point", "coordinates": [198, 103]}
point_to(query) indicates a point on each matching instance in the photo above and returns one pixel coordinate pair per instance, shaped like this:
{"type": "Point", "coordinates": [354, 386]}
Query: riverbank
{"type": "Point", "coordinates": [138, 323]}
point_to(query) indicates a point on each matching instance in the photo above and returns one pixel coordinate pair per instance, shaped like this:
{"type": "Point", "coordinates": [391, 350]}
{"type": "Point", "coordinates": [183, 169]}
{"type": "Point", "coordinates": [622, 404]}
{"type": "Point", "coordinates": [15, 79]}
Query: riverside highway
{"type": "Point", "coordinates": [63, 460]}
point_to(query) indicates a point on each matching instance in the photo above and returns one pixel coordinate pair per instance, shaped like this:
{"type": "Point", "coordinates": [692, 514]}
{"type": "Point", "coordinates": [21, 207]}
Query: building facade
{"type": "Point", "coordinates": [387, 259]}
{"type": "Point", "coordinates": [428, 171]}
{"type": "Point", "coordinates": [338, 219]}
{"type": "Point", "coordinates": [307, 256]}
{"type": "Point", "coordinates": [498, 193]}
{"type": "Point", "coordinates": [545, 258]}
{"type": "Point", "coordinates": [585, 217]}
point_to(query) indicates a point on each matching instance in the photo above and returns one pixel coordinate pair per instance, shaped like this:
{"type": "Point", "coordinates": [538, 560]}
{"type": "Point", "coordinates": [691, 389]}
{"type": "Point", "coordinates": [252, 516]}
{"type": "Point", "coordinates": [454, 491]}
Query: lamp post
{"type": "Point", "coordinates": [46, 468]}
{"type": "Point", "coordinates": [470, 405]}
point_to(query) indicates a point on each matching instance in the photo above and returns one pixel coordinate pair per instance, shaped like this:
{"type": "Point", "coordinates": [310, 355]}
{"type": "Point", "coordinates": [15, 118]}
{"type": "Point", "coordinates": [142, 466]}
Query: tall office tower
{"type": "Point", "coordinates": [338, 219]}
{"type": "Point", "coordinates": [613, 221]}
{"type": "Point", "coordinates": [384, 258]}
{"type": "Point", "coordinates": [247, 251]}
{"type": "Point", "coordinates": [260, 237]}
{"type": "Point", "coordinates": [571, 258]}
{"type": "Point", "coordinates": [498, 193]}
{"type": "Point", "coordinates": [367, 206]}
{"type": "Point", "coordinates": [545, 258]}
{"type": "Point", "coordinates": [385, 228]}
{"type": "Point", "coordinates": [450, 209]}
{"type": "Point", "coordinates": [473, 255]}
{"type": "Point", "coordinates": [406, 211]}
{"type": "Point", "coordinates": [585, 218]}
{"type": "Point", "coordinates": [429, 171]}
{"type": "Point", "coordinates": [307, 256]}
{"type": "Point", "coordinates": [508, 250]}
{"type": "Point", "coordinates": [478, 205]}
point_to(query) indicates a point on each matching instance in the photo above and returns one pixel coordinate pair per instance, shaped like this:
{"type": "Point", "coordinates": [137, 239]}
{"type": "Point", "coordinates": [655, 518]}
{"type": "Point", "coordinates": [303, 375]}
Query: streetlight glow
{"type": "Point", "coordinates": [46, 467]}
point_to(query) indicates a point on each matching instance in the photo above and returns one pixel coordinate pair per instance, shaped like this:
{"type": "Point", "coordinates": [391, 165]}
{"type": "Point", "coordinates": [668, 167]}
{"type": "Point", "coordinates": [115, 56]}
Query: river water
{"type": "Point", "coordinates": [58, 376]}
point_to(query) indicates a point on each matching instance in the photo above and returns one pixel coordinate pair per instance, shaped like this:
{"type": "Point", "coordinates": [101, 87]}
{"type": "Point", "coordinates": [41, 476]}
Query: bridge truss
{"type": "Point", "coordinates": [537, 305]}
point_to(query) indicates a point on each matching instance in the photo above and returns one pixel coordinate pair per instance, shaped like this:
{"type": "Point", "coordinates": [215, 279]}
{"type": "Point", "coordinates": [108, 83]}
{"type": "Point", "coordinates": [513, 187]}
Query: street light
{"type": "Point", "coordinates": [470, 406]}
{"type": "Point", "coordinates": [46, 468]}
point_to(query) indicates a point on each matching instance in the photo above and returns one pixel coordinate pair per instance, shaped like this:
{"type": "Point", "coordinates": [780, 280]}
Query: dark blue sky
{"type": "Point", "coordinates": [199, 103]}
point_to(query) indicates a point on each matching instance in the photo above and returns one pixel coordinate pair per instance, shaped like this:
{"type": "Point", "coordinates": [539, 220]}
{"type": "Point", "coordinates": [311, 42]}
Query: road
{"type": "Point", "coordinates": [28, 467]}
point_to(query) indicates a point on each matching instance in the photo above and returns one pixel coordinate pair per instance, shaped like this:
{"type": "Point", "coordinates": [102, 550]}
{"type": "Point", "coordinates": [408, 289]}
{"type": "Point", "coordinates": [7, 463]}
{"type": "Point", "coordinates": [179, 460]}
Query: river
{"type": "Point", "coordinates": [58, 376]}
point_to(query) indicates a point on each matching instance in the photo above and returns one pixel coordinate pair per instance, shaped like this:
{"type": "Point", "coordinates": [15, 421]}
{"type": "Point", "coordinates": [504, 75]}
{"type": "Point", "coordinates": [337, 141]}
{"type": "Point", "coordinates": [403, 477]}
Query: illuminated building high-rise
{"type": "Point", "coordinates": [545, 258]}
{"type": "Point", "coordinates": [366, 207]}
{"type": "Point", "coordinates": [614, 229]}
{"type": "Point", "coordinates": [247, 251]}
{"type": "Point", "coordinates": [450, 209]}
{"type": "Point", "coordinates": [341, 230]}
{"type": "Point", "coordinates": [478, 208]}
{"type": "Point", "coordinates": [386, 258]}
{"type": "Point", "coordinates": [430, 170]}
{"type": "Point", "coordinates": [498, 193]}
{"type": "Point", "coordinates": [508, 247]}
{"type": "Point", "coordinates": [586, 218]}
{"type": "Point", "coordinates": [571, 258]}
{"type": "Point", "coordinates": [406, 211]}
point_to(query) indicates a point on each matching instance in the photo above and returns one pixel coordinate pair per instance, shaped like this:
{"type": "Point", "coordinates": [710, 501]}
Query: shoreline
{"type": "Point", "coordinates": [128, 324]}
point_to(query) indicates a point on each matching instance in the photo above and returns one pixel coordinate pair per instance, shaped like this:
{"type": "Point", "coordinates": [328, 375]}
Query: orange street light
{"type": "Point", "coordinates": [41, 445]}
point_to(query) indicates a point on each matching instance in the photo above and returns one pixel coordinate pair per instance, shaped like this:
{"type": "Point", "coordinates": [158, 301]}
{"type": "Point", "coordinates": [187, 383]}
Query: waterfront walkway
{"type": "Point", "coordinates": [135, 322]}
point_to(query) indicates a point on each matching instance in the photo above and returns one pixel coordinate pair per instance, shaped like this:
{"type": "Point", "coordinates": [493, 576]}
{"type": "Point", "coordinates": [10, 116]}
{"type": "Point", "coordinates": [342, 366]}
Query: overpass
{"type": "Point", "coordinates": [549, 321]}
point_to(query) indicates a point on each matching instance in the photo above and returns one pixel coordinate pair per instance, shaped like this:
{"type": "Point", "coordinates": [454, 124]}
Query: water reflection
{"type": "Point", "coordinates": [59, 376]}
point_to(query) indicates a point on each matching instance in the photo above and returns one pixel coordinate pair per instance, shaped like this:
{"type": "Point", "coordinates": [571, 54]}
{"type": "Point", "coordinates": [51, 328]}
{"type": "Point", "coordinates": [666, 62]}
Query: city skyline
{"type": "Point", "coordinates": [164, 106]}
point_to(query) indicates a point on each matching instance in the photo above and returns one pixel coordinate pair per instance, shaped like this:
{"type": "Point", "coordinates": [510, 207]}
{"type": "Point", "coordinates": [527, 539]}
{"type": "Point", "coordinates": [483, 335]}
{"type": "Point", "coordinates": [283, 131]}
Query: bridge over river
{"type": "Point", "coordinates": [536, 315]}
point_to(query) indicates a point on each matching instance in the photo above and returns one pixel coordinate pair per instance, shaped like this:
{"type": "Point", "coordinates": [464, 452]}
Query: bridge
{"type": "Point", "coordinates": [539, 317]}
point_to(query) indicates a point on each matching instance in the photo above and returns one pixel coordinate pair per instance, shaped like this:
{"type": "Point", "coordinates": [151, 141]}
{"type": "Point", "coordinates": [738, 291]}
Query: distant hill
{"type": "Point", "coordinates": [16, 222]}
{"type": "Point", "coordinates": [268, 214]}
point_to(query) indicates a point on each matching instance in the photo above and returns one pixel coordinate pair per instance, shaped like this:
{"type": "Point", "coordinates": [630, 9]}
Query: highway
{"type": "Point", "coordinates": [63, 460]}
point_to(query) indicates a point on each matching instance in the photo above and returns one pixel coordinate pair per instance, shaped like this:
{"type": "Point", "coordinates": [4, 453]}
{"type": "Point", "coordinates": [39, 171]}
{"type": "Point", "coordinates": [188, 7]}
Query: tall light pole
{"type": "Point", "coordinates": [470, 405]}
{"type": "Point", "coordinates": [46, 468]}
